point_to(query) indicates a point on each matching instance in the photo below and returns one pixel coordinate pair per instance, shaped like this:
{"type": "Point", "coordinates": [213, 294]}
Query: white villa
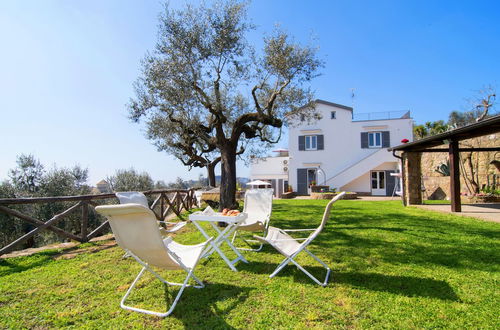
{"type": "Point", "coordinates": [341, 150]}
{"type": "Point", "coordinates": [272, 169]}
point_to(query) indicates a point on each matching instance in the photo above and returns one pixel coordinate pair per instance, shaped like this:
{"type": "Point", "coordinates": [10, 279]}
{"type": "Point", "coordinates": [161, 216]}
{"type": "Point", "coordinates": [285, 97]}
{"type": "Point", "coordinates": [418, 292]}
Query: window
{"type": "Point", "coordinates": [311, 142]}
{"type": "Point", "coordinates": [333, 115]}
{"type": "Point", "coordinates": [375, 139]}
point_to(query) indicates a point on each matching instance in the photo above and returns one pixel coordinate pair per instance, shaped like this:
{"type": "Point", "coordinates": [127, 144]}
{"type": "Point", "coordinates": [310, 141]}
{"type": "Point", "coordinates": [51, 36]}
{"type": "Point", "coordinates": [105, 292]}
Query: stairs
{"type": "Point", "coordinates": [359, 168]}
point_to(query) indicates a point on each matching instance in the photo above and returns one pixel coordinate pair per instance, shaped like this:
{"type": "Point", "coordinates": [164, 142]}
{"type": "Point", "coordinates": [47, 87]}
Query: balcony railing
{"type": "Point", "coordinates": [403, 114]}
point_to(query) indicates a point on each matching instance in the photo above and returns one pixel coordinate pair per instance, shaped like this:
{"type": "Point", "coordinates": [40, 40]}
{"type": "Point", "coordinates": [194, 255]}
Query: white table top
{"type": "Point", "coordinates": [217, 217]}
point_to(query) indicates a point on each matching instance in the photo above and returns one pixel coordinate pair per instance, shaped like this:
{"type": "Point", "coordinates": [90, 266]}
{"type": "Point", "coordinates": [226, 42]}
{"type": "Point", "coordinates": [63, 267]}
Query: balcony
{"type": "Point", "coordinates": [384, 115]}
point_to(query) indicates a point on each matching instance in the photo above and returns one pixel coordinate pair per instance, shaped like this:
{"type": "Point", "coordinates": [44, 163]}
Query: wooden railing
{"type": "Point", "coordinates": [165, 203]}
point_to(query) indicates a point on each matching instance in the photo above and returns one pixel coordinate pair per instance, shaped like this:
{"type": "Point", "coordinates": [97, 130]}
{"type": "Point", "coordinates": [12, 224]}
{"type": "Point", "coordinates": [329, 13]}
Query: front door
{"type": "Point", "coordinates": [378, 183]}
{"type": "Point", "coordinates": [311, 179]}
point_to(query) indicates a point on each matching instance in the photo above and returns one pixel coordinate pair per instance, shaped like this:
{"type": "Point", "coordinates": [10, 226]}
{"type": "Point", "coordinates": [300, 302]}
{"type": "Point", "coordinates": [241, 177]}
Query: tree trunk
{"type": "Point", "coordinates": [228, 178]}
{"type": "Point", "coordinates": [211, 174]}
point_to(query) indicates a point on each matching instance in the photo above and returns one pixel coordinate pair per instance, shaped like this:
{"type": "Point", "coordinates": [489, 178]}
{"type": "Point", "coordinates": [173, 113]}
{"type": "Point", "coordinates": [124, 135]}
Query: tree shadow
{"type": "Point", "coordinates": [20, 264]}
{"type": "Point", "coordinates": [199, 308]}
{"type": "Point", "coordinates": [408, 286]}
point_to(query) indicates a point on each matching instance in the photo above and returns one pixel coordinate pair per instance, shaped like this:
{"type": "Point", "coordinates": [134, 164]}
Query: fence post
{"type": "Point", "coordinates": [85, 221]}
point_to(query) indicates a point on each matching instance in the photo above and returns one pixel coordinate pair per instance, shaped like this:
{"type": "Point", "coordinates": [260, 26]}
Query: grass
{"type": "Point", "coordinates": [392, 267]}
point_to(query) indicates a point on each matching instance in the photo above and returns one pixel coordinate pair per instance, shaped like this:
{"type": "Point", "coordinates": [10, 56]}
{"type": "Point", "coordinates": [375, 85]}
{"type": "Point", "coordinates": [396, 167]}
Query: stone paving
{"type": "Point", "coordinates": [487, 212]}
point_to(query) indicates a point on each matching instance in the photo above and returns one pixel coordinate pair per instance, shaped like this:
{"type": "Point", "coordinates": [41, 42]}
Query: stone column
{"type": "Point", "coordinates": [413, 177]}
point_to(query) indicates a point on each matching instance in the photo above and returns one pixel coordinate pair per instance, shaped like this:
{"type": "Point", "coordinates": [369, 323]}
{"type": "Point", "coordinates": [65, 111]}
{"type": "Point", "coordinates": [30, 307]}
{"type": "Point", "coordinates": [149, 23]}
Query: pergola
{"type": "Point", "coordinates": [449, 140]}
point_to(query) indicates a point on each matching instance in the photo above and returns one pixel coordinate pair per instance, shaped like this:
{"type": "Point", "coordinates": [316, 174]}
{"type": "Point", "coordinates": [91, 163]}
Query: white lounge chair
{"type": "Point", "coordinates": [258, 207]}
{"type": "Point", "coordinates": [136, 231]}
{"type": "Point", "coordinates": [290, 247]}
{"type": "Point", "coordinates": [136, 197]}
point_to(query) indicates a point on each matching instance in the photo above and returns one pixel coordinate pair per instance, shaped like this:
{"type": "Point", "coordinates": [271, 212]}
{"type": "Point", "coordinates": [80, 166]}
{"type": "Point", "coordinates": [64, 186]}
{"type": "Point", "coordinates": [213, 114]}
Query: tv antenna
{"type": "Point", "coordinates": [352, 97]}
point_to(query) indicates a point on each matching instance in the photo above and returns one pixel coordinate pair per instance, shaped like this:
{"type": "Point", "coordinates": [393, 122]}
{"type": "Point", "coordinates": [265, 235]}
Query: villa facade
{"type": "Point", "coordinates": [346, 151]}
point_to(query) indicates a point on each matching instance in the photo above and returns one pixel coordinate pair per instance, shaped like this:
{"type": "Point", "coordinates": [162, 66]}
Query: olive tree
{"type": "Point", "coordinates": [205, 80]}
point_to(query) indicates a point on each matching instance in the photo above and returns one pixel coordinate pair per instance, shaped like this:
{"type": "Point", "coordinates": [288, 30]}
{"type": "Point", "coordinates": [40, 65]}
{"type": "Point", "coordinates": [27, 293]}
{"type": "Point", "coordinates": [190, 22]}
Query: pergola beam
{"type": "Point", "coordinates": [460, 150]}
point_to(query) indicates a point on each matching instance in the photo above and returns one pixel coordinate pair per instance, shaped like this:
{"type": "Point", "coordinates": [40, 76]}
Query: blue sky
{"type": "Point", "coordinates": [67, 68]}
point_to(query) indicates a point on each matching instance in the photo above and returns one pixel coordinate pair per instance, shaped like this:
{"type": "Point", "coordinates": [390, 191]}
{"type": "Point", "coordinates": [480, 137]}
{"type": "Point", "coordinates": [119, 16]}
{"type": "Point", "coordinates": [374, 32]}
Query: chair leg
{"type": "Point", "coordinates": [171, 309]}
{"type": "Point", "coordinates": [280, 267]}
{"type": "Point", "coordinates": [247, 242]}
{"type": "Point", "coordinates": [290, 259]}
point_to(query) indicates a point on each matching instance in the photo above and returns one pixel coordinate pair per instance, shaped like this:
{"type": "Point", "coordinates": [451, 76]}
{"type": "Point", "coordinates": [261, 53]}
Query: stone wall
{"type": "Point", "coordinates": [412, 182]}
{"type": "Point", "coordinates": [438, 186]}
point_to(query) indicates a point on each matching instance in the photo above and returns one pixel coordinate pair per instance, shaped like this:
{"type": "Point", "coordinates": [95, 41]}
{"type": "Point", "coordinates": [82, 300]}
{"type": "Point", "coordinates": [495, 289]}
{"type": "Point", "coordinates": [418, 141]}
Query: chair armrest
{"type": "Point", "coordinates": [167, 222]}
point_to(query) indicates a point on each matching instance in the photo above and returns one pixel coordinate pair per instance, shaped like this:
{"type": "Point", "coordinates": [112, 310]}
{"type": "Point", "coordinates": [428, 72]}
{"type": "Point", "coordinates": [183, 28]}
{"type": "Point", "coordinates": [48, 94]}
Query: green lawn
{"type": "Point", "coordinates": [392, 267]}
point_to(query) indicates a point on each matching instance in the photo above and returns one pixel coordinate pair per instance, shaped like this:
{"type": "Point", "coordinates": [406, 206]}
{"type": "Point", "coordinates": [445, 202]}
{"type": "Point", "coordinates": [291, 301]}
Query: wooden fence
{"type": "Point", "coordinates": [166, 202]}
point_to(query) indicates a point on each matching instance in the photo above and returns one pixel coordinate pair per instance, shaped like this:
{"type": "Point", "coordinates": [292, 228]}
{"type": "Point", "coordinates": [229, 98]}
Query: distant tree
{"type": "Point", "coordinates": [196, 77]}
{"type": "Point", "coordinates": [429, 128]}
{"type": "Point", "coordinates": [65, 182]}
{"type": "Point", "coordinates": [10, 228]}
{"type": "Point", "coordinates": [130, 180]}
{"type": "Point", "coordinates": [482, 106]}
{"type": "Point", "coordinates": [27, 175]}
{"type": "Point", "coordinates": [160, 184]}
{"type": "Point", "coordinates": [179, 184]}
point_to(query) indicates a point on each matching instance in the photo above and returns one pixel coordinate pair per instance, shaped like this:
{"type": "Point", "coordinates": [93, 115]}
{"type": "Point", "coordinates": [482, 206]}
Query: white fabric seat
{"type": "Point", "coordinates": [258, 207]}
{"type": "Point", "coordinates": [187, 253]}
{"type": "Point", "coordinates": [136, 231]}
{"type": "Point", "coordinates": [284, 243]}
{"type": "Point", "coordinates": [137, 197]}
{"type": "Point", "coordinates": [290, 247]}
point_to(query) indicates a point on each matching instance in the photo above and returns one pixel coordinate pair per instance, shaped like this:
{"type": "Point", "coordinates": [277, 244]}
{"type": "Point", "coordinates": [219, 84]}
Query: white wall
{"type": "Point", "coordinates": [269, 168]}
{"type": "Point", "coordinates": [342, 142]}
{"type": "Point", "coordinates": [362, 183]}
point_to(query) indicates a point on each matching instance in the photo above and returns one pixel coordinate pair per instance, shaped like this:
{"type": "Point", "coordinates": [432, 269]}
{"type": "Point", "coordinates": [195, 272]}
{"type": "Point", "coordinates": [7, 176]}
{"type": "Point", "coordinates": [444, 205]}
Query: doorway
{"type": "Point", "coordinates": [378, 183]}
{"type": "Point", "coordinates": [311, 179]}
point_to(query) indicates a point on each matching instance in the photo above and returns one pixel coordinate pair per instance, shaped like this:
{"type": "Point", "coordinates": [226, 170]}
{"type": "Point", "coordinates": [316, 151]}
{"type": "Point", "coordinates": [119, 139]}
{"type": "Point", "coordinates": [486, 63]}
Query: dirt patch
{"type": "Point", "coordinates": [70, 254]}
{"type": "Point", "coordinates": [64, 246]}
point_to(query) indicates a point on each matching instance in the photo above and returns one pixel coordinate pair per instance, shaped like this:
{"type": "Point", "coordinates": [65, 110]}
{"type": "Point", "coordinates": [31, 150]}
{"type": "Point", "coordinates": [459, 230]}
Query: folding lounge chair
{"type": "Point", "coordinates": [136, 231]}
{"type": "Point", "coordinates": [290, 247]}
{"type": "Point", "coordinates": [258, 207]}
{"type": "Point", "coordinates": [126, 197]}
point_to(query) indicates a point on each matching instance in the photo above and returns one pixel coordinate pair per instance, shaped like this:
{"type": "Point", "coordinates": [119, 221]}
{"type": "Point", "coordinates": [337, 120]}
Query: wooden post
{"type": "Point", "coordinates": [85, 221]}
{"type": "Point", "coordinates": [162, 207]}
{"type": "Point", "coordinates": [454, 158]}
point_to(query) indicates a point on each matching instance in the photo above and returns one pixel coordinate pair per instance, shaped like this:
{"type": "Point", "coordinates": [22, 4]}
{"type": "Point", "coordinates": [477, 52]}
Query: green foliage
{"type": "Point", "coordinates": [489, 190]}
{"type": "Point", "coordinates": [30, 179]}
{"type": "Point", "coordinates": [392, 267]}
{"type": "Point", "coordinates": [204, 91]}
{"type": "Point", "coordinates": [130, 180]}
{"type": "Point", "coordinates": [27, 176]}
{"type": "Point", "coordinates": [429, 129]}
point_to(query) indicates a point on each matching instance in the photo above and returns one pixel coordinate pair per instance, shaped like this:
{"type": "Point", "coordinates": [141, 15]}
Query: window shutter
{"type": "Point", "coordinates": [302, 142]}
{"type": "Point", "coordinates": [320, 142]}
{"type": "Point", "coordinates": [364, 140]}
{"type": "Point", "coordinates": [386, 139]}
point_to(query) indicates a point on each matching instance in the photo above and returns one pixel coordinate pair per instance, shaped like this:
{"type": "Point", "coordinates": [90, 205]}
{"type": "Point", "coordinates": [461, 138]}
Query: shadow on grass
{"type": "Point", "coordinates": [23, 263]}
{"type": "Point", "coordinates": [408, 286]}
{"type": "Point", "coordinates": [204, 308]}
{"type": "Point", "coordinates": [210, 308]}
{"type": "Point", "coordinates": [402, 285]}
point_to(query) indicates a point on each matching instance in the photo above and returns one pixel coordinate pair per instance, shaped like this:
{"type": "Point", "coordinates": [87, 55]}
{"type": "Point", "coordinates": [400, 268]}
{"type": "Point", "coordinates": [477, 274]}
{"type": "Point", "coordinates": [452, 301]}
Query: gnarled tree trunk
{"type": "Point", "coordinates": [211, 174]}
{"type": "Point", "coordinates": [228, 178]}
